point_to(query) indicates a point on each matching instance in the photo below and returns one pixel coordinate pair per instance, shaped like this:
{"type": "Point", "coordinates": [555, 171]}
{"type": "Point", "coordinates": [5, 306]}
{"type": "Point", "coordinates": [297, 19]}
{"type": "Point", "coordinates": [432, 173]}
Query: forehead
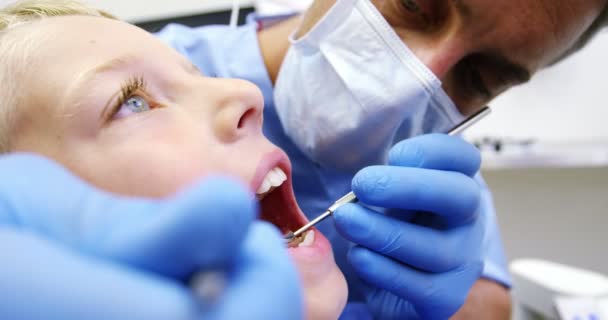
{"type": "Point", "coordinates": [81, 40]}
{"type": "Point", "coordinates": [66, 49]}
{"type": "Point", "coordinates": [535, 32]}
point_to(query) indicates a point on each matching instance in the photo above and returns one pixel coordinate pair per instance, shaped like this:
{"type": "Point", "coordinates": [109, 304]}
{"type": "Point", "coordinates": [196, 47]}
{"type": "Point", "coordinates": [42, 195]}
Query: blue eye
{"type": "Point", "coordinates": [135, 104]}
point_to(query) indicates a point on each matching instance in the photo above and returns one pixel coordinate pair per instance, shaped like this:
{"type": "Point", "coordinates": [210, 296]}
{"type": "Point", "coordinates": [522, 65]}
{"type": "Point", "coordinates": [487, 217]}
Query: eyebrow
{"type": "Point", "coordinates": [463, 9]}
{"type": "Point", "coordinates": [108, 66]}
{"type": "Point", "coordinates": [118, 63]}
{"type": "Point", "coordinates": [83, 79]}
{"type": "Point", "coordinates": [113, 64]}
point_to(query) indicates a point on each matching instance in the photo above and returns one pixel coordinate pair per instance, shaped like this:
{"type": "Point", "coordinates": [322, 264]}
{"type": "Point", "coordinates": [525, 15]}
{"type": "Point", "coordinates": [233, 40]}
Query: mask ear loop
{"type": "Point", "coordinates": [234, 15]}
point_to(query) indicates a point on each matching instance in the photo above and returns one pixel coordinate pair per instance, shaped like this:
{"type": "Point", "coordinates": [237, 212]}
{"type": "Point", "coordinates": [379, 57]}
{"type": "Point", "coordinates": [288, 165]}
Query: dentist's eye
{"type": "Point", "coordinates": [425, 15]}
{"type": "Point", "coordinates": [411, 5]}
{"type": "Point", "coordinates": [411, 14]}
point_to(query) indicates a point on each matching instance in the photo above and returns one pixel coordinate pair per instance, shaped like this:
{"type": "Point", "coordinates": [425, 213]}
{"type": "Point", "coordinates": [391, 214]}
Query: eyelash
{"type": "Point", "coordinates": [135, 86]}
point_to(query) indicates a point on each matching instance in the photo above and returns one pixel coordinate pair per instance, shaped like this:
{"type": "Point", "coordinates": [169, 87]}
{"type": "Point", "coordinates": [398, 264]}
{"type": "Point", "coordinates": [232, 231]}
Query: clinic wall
{"type": "Point", "coordinates": [151, 10]}
{"type": "Point", "coordinates": [556, 214]}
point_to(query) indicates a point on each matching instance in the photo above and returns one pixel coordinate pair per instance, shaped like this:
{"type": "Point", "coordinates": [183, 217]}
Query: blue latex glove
{"type": "Point", "coordinates": [72, 252]}
{"type": "Point", "coordinates": [420, 258]}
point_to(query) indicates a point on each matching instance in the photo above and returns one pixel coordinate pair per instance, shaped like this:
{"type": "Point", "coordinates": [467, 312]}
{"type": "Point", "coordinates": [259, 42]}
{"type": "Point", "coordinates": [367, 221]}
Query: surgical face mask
{"type": "Point", "coordinates": [350, 86]}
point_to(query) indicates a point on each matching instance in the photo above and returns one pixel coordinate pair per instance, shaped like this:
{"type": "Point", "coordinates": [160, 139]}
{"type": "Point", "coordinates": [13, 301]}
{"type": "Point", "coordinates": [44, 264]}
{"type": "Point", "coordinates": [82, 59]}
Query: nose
{"type": "Point", "coordinates": [238, 111]}
{"type": "Point", "coordinates": [440, 58]}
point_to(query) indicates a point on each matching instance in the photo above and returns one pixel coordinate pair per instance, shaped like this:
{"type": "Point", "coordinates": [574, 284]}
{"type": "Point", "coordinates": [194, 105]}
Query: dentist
{"type": "Point", "coordinates": [354, 79]}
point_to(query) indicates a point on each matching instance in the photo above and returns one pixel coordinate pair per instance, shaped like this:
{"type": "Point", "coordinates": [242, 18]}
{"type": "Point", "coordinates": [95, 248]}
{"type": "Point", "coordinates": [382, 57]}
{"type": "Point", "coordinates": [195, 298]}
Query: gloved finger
{"type": "Point", "coordinates": [202, 227]}
{"type": "Point", "coordinates": [161, 236]}
{"type": "Point", "coordinates": [263, 266]}
{"type": "Point", "coordinates": [44, 280]}
{"type": "Point", "coordinates": [451, 195]}
{"type": "Point", "coordinates": [436, 151]}
{"type": "Point", "coordinates": [435, 296]}
{"type": "Point", "coordinates": [417, 246]}
{"type": "Point", "coordinates": [387, 306]}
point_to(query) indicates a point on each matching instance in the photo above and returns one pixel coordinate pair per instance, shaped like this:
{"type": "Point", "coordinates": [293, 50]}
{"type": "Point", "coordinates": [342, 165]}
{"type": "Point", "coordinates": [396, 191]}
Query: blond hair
{"type": "Point", "coordinates": [15, 51]}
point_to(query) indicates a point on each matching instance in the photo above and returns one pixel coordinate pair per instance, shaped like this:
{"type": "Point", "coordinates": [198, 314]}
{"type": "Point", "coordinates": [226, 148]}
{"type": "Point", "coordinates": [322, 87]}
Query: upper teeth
{"type": "Point", "coordinates": [273, 179]}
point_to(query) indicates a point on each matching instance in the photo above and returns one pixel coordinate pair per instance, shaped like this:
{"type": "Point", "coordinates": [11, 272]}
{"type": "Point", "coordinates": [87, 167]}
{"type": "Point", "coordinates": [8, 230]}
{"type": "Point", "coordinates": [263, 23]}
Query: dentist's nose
{"type": "Point", "coordinates": [440, 58]}
{"type": "Point", "coordinates": [239, 110]}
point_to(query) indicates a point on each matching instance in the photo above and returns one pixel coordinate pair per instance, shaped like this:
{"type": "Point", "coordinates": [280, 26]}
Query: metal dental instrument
{"type": "Point", "coordinates": [351, 198]}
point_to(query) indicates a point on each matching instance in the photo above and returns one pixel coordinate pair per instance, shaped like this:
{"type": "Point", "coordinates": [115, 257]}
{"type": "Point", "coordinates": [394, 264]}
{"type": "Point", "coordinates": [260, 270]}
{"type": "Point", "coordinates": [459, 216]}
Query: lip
{"type": "Point", "coordinates": [283, 198]}
{"type": "Point", "coordinates": [316, 253]}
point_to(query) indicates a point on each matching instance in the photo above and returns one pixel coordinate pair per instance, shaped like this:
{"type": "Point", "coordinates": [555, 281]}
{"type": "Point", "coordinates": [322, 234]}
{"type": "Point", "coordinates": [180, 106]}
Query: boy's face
{"type": "Point", "coordinates": [131, 116]}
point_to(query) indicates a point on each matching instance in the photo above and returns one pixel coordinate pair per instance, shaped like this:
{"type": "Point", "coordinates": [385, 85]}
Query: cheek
{"type": "Point", "coordinates": [150, 164]}
{"type": "Point", "coordinates": [439, 47]}
{"type": "Point", "coordinates": [149, 172]}
{"type": "Point", "coordinates": [160, 168]}
{"type": "Point", "coordinates": [156, 158]}
{"type": "Point", "coordinates": [331, 286]}
{"type": "Point", "coordinates": [141, 157]}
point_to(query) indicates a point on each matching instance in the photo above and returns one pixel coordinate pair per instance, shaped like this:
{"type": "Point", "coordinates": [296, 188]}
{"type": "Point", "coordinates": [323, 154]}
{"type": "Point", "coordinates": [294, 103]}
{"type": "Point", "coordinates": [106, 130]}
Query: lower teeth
{"type": "Point", "coordinates": [308, 239]}
{"type": "Point", "coordinates": [305, 240]}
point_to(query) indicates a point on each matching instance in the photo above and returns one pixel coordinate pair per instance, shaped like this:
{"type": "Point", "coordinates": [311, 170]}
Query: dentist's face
{"type": "Point", "coordinates": [130, 115]}
{"type": "Point", "coordinates": [480, 48]}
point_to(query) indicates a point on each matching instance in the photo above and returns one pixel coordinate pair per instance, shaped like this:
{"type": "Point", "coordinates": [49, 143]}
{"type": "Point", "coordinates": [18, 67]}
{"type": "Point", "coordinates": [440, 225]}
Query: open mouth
{"type": "Point", "coordinates": [278, 204]}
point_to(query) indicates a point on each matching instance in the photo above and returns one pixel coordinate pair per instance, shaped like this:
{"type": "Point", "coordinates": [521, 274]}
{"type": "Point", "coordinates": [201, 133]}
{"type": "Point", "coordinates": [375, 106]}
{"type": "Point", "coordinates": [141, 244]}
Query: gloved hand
{"type": "Point", "coordinates": [72, 252]}
{"type": "Point", "coordinates": [420, 258]}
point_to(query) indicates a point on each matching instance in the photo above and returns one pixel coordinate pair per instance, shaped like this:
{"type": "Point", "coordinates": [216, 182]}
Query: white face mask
{"type": "Point", "coordinates": [349, 87]}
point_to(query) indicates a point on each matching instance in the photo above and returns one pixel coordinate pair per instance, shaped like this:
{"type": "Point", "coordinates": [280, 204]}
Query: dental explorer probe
{"type": "Point", "coordinates": [351, 198]}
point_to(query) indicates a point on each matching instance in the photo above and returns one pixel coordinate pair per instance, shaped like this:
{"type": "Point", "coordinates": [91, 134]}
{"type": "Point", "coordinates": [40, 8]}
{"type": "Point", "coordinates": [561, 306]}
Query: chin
{"type": "Point", "coordinates": [325, 290]}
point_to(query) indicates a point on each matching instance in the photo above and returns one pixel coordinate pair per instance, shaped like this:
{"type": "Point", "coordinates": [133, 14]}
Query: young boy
{"type": "Point", "coordinates": [131, 116]}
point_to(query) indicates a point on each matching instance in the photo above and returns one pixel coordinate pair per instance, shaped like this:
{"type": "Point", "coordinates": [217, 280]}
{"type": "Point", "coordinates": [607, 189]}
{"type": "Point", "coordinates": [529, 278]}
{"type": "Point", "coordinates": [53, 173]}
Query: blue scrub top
{"type": "Point", "coordinates": [219, 51]}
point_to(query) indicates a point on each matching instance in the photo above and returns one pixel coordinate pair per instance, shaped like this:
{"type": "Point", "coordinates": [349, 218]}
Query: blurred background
{"type": "Point", "coordinates": [545, 146]}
